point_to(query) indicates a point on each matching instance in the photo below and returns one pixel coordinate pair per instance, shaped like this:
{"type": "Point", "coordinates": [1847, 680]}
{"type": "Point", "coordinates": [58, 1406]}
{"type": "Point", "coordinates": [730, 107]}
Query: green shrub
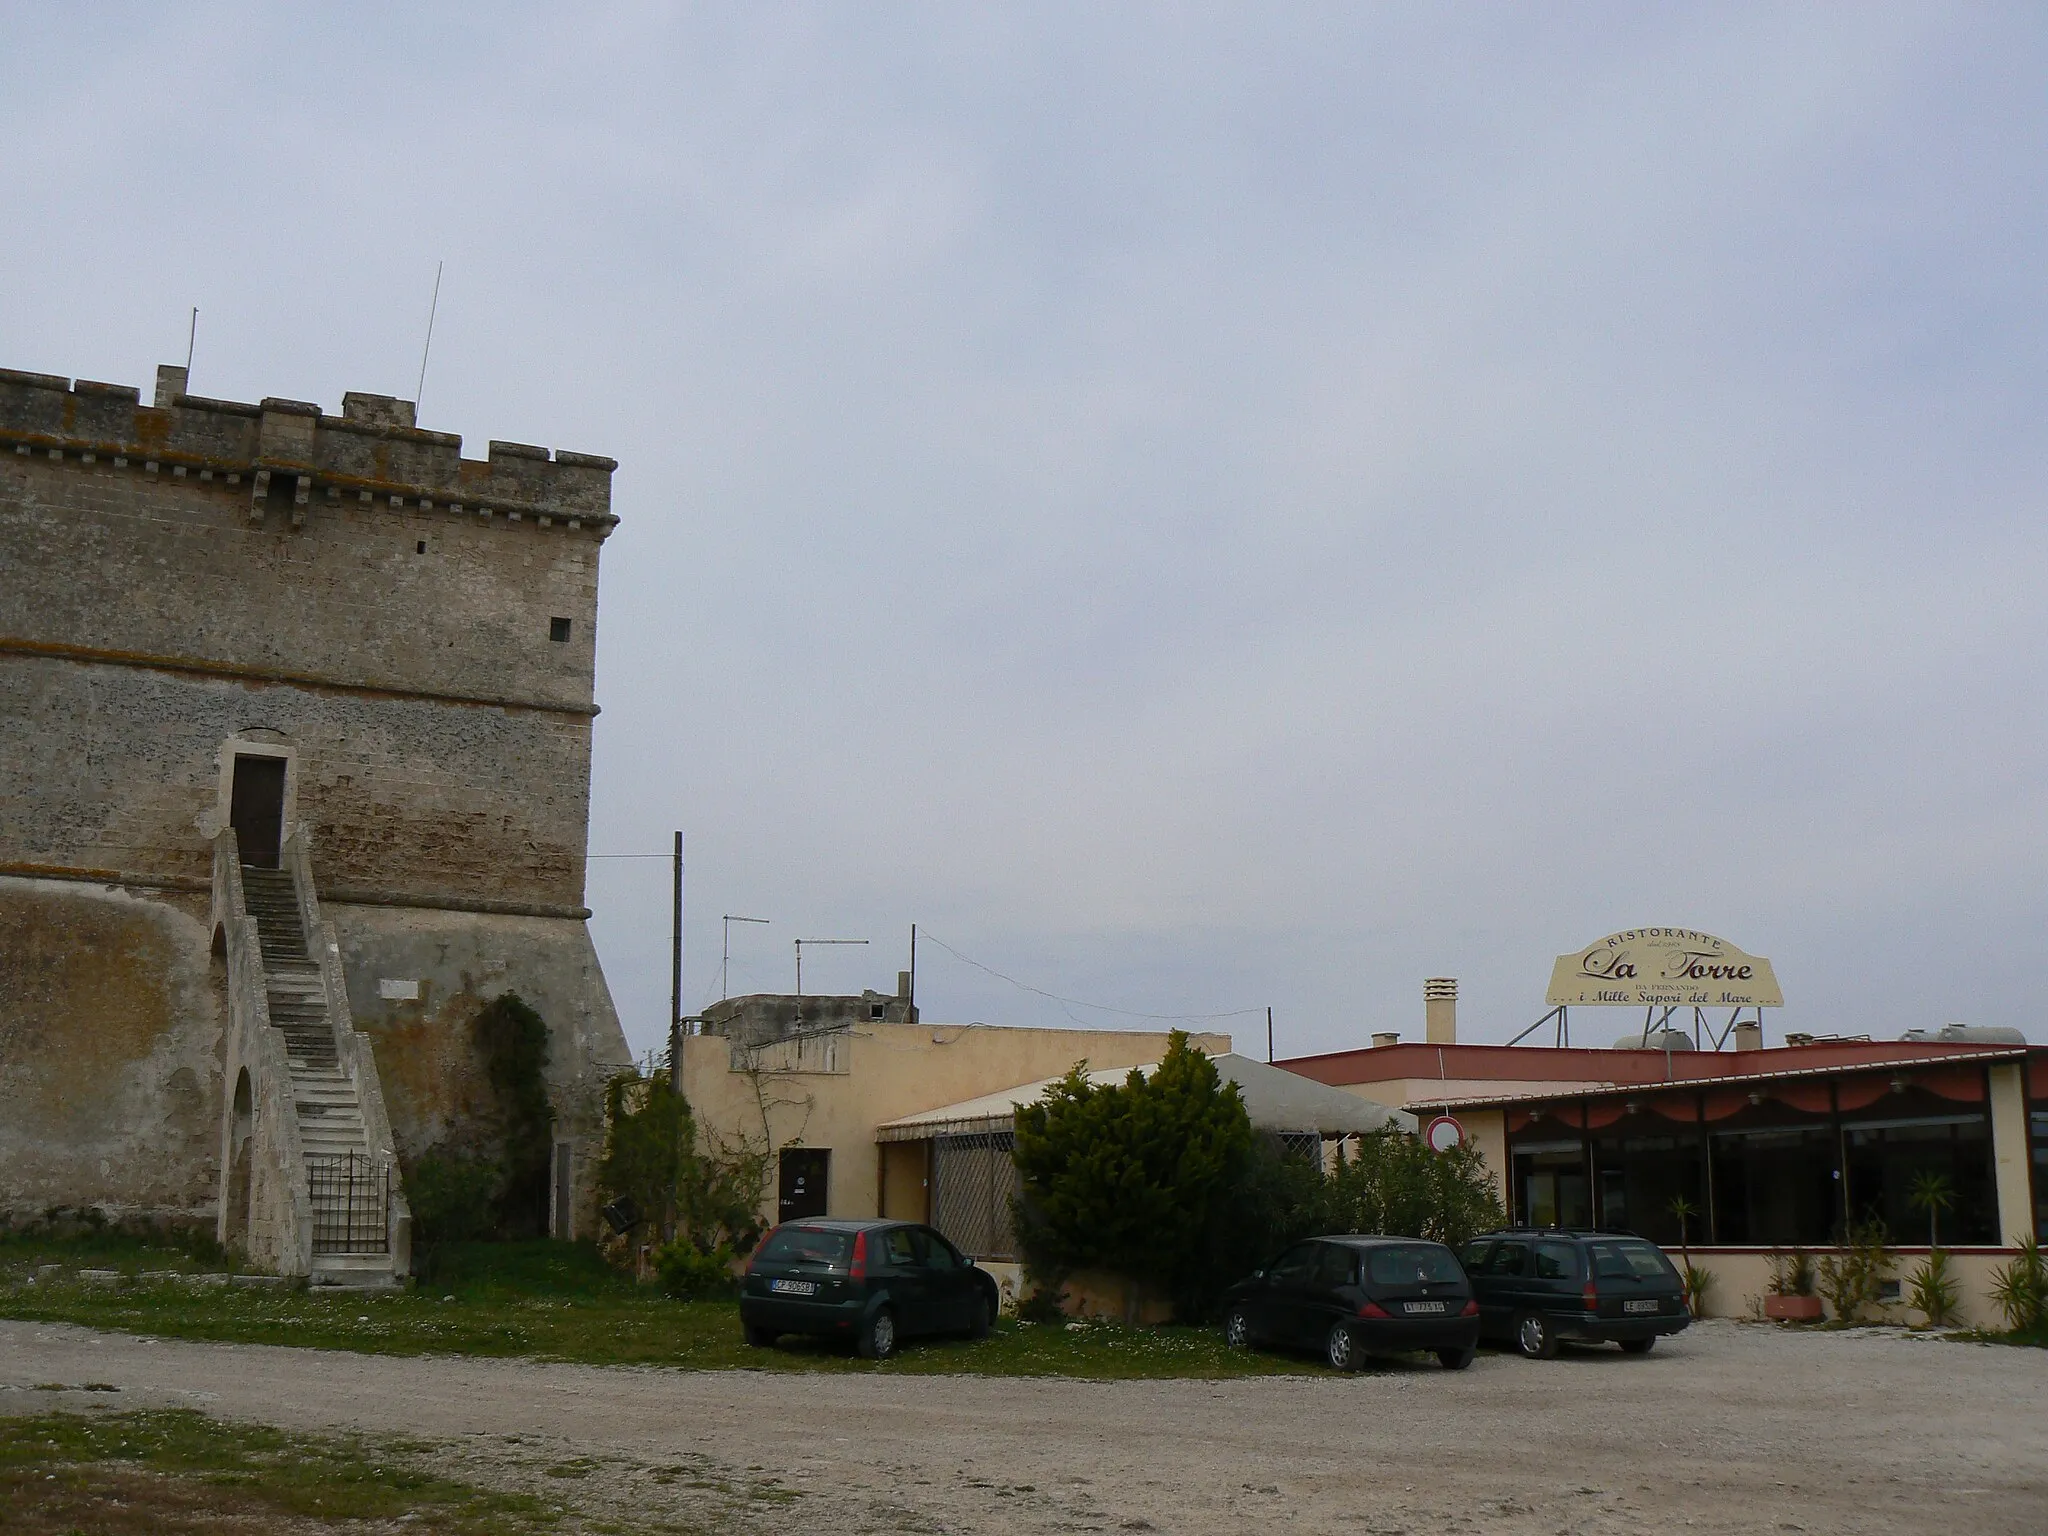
{"type": "Point", "coordinates": [688, 1273]}
{"type": "Point", "coordinates": [2020, 1287]}
{"type": "Point", "coordinates": [1698, 1284]}
{"type": "Point", "coordinates": [688, 1187]}
{"type": "Point", "coordinates": [1393, 1183]}
{"type": "Point", "coordinates": [1129, 1177]}
{"type": "Point", "coordinates": [454, 1197]}
{"type": "Point", "coordinates": [1933, 1290]}
{"type": "Point", "coordinates": [488, 1178]}
{"type": "Point", "coordinates": [1791, 1273]}
{"type": "Point", "coordinates": [1853, 1279]}
{"type": "Point", "coordinates": [514, 1043]}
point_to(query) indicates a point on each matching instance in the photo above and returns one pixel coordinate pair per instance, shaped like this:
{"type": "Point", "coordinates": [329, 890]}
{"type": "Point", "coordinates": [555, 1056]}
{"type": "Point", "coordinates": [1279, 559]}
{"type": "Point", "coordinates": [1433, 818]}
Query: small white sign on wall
{"type": "Point", "coordinates": [394, 990]}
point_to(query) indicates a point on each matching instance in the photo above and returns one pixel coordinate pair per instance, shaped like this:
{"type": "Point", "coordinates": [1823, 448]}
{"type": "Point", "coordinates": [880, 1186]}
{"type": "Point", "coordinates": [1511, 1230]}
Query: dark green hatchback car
{"type": "Point", "coordinates": [1539, 1287]}
{"type": "Point", "coordinates": [871, 1283]}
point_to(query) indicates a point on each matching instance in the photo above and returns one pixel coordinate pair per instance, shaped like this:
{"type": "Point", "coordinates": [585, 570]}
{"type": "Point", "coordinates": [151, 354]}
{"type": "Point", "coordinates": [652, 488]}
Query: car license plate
{"type": "Point", "coordinates": [1414, 1307]}
{"type": "Point", "coordinates": [1639, 1306]}
{"type": "Point", "coordinates": [794, 1287]}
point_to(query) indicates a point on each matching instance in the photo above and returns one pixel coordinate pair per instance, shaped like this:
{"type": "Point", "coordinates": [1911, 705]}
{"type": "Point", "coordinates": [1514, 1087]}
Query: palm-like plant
{"type": "Point", "coordinates": [1933, 1193]}
{"type": "Point", "coordinates": [1685, 1210]}
{"type": "Point", "coordinates": [2020, 1288]}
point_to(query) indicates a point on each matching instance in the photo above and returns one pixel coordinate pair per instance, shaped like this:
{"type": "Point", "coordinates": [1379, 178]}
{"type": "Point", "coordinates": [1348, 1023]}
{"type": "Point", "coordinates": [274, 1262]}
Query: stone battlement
{"type": "Point", "coordinates": [293, 455]}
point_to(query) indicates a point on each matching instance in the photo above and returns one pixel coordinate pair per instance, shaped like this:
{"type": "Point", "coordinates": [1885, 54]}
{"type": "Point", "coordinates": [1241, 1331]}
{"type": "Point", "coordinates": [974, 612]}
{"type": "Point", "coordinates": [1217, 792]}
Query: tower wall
{"type": "Point", "coordinates": [413, 631]}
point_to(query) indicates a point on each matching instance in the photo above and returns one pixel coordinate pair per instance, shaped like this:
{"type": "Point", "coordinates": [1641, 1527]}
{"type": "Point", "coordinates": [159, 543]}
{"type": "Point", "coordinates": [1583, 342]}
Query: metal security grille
{"type": "Point", "coordinates": [973, 1178]}
{"type": "Point", "coordinates": [351, 1203]}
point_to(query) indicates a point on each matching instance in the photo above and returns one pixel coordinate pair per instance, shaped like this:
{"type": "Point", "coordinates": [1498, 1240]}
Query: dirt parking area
{"type": "Point", "coordinates": [1731, 1427]}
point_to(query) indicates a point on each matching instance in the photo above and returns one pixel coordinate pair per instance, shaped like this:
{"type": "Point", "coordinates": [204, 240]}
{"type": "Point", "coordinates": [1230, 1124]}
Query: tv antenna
{"type": "Point", "coordinates": [725, 948]}
{"type": "Point", "coordinates": [800, 943]}
{"type": "Point", "coordinates": [420, 390]}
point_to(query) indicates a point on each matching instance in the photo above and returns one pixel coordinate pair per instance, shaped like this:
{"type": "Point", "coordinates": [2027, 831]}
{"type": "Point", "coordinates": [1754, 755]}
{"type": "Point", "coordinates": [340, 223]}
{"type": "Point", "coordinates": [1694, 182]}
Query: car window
{"type": "Point", "coordinates": [1556, 1261]}
{"type": "Point", "coordinates": [1633, 1259]}
{"type": "Point", "coordinates": [897, 1247]}
{"type": "Point", "coordinates": [1412, 1264]}
{"type": "Point", "coordinates": [1474, 1256]}
{"type": "Point", "coordinates": [1508, 1259]}
{"type": "Point", "coordinates": [1296, 1263]}
{"type": "Point", "coordinates": [791, 1244]}
{"type": "Point", "coordinates": [1336, 1265]}
{"type": "Point", "coordinates": [938, 1253]}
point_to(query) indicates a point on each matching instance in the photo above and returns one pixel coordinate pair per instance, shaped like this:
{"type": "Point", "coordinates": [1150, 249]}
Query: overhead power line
{"type": "Point", "coordinates": [1074, 1002]}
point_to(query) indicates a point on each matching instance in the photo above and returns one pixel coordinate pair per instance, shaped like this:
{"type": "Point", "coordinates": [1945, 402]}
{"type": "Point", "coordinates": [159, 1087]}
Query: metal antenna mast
{"type": "Point", "coordinates": [725, 948]}
{"type": "Point", "coordinates": [433, 309]}
{"type": "Point", "coordinates": [800, 943]}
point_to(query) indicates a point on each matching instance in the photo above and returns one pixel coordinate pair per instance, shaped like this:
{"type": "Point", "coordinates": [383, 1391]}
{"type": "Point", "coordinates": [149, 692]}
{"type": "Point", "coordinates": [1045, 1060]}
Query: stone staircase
{"type": "Point", "coordinates": [349, 1188]}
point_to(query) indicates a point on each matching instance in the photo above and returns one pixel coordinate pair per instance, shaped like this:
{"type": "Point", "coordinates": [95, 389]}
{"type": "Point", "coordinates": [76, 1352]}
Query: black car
{"type": "Point", "coordinates": [872, 1283]}
{"type": "Point", "coordinates": [1354, 1297]}
{"type": "Point", "coordinates": [1540, 1287]}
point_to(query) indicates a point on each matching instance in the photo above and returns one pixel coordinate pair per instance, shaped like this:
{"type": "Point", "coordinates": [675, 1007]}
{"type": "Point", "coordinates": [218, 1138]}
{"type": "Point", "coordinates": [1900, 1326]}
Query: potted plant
{"type": "Point", "coordinates": [1791, 1297]}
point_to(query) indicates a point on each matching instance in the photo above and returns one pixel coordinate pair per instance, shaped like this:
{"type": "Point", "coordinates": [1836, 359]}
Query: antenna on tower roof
{"type": "Point", "coordinates": [191, 340]}
{"type": "Point", "coordinates": [419, 391]}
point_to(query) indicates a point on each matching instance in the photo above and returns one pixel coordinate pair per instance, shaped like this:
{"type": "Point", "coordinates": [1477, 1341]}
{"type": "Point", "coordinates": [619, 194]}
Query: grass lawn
{"type": "Point", "coordinates": [181, 1472]}
{"type": "Point", "coordinates": [551, 1301]}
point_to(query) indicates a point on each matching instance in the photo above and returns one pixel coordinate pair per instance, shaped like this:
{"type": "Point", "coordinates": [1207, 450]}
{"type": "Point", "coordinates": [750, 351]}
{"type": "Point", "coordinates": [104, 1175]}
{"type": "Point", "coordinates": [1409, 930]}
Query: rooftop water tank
{"type": "Point", "coordinates": [1656, 1040]}
{"type": "Point", "coordinates": [1967, 1034]}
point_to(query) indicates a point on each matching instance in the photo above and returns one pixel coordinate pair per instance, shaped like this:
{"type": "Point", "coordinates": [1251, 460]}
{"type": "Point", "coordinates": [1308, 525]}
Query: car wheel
{"type": "Point", "coordinates": [1342, 1349]}
{"type": "Point", "coordinates": [1637, 1346]}
{"type": "Point", "coordinates": [877, 1339]}
{"type": "Point", "coordinates": [1456, 1359]}
{"type": "Point", "coordinates": [760, 1338]}
{"type": "Point", "coordinates": [1534, 1338]}
{"type": "Point", "coordinates": [1237, 1329]}
{"type": "Point", "coordinates": [984, 1318]}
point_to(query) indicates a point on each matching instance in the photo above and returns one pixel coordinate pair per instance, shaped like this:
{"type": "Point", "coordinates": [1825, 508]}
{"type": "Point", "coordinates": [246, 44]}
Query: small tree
{"type": "Point", "coordinates": [1126, 1176]}
{"type": "Point", "coordinates": [1393, 1183]}
{"type": "Point", "coordinates": [695, 1191]}
{"type": "Point", "coordinates": [1933, 1193]}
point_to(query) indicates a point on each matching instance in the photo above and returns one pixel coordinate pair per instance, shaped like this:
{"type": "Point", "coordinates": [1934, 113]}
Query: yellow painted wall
{"type": "Point", "coordinates": [906, 1180]}
{"type": "Point", "coordinates": [1742, 1276]}
{"type": "Point", "coordinates": [2010, 1153]}
{"type": "Point", "coordinates": [892, 1070]}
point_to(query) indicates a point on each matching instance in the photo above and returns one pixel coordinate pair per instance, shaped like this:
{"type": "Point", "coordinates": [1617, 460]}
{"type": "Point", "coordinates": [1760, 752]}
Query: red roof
{"type": "Point", "coordinates": [1548, 1064]}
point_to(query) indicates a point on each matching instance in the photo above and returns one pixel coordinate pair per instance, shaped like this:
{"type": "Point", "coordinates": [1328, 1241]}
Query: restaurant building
{"type": "Point", "coordinates": [1714, 1144]}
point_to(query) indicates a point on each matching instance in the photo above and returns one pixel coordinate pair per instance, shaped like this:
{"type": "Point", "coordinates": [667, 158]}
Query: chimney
{"type": "Point", "coordinates": [1386, 1037]}
{"type": "Point", "coordinates": [903, 986]}
{"type": "Point", "coordinates": [1440, 1010]}
{"type": "Point", "coordinates": [170, 383]}
{"type": "Point", "coordinates": [1749, 1037]}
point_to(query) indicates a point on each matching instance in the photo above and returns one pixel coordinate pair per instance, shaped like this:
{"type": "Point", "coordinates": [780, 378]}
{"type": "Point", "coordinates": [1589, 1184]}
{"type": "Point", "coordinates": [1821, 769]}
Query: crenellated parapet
{"type": "Point", "coordinates": [292, 456]}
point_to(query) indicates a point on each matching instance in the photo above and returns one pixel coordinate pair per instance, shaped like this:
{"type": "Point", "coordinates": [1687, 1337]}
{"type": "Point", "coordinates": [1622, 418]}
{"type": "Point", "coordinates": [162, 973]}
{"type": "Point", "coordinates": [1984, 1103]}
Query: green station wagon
{"type": "Point", "coordinates": [1539, 1287]}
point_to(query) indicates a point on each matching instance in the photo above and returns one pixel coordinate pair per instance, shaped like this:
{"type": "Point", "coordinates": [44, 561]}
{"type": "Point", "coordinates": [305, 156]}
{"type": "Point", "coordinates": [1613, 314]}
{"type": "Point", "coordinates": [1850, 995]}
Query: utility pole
{"type": "Point", "coordinates": [725, 947]}
{"type": "Point", "coordinates": [913, 973]}
{"type": "Point", "coordinates": [1269, 1035]}
{"type": "Point", "coordinates": [675, 969]}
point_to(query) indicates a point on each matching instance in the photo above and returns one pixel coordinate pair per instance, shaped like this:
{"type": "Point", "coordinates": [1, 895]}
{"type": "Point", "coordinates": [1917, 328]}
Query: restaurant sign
{"type": "Point", "coordinates": [1664, 967]}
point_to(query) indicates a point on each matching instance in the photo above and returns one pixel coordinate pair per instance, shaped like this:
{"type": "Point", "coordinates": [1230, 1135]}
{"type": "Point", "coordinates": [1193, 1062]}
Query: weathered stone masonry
{"type": "Point", "coordinates": [411, 632]}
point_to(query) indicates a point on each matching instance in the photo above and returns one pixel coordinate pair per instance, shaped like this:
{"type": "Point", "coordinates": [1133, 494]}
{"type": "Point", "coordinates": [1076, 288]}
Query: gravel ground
{"type": "Point", "coordinates": [1730, 1427]}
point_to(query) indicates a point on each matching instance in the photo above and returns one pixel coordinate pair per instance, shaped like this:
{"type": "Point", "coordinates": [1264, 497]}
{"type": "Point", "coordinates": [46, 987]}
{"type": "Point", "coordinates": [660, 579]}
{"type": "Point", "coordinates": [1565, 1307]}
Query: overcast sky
{"type": "Point", "coordinates": [1197, 508]}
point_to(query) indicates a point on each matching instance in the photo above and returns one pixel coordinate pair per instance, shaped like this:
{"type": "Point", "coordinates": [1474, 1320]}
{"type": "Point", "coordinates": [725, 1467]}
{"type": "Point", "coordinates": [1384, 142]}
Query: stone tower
{"type": "Point", "coordinates": [295, 718]}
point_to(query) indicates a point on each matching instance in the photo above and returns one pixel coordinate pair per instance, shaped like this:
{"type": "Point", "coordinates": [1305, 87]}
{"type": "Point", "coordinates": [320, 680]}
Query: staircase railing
{"type": "Point", "coordinates": [279, 1227]}
{"type": "Point", "coordinates": [358, 1062]}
